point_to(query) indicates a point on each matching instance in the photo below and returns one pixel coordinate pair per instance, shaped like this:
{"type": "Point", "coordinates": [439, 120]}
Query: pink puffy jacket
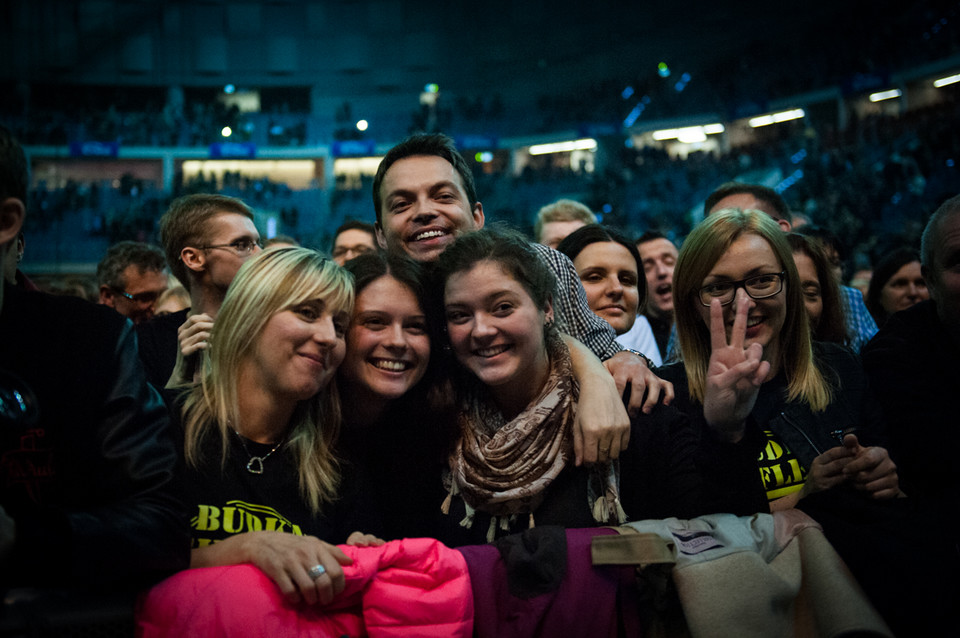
{"type": "Point", "coordinates": [408, 587]}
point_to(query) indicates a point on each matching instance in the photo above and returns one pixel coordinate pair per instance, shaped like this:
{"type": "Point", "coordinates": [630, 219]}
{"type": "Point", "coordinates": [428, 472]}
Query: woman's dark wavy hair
{"type": "Point", "coordinates": [431, 394]}
{"type": "Point", "coordinates": [369, 267]}
{"type": "Point", "coordinates": [575, 242]}
{"type": "Point", "coordinates": [513, 253]}
{"type": "Point", "coordinates": [832, 326]}
{"type": "Point", "coordinates": [886, 268]}
{"type": "Point", "coordinates": [508, 249]}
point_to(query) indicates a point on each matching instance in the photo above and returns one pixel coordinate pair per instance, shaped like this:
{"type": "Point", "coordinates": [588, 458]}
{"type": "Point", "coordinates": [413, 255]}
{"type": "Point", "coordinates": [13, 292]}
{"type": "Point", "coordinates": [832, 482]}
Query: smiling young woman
{"type": "Point", "coordinates": [512, 465]}
{"type": "Point", "coordinates": [262, 480]}
{"type": "Point", "coordinates": [799, 413]}
{"type": "Point", "coordinates": [397, 422]}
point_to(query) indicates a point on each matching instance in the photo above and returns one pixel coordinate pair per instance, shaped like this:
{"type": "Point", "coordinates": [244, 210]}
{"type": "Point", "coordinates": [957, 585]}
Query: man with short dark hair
{"type": "Point", "coordinates": [424, 197]}
{"type": "Point", "coordinates": [352, 239]}
{"type": "Point", "coordinates": [132, 276]}
{"type": "Point", "coordinates": [659, 258]}
{"type": "Point", "coordinates": [206, 239]}
{"type": "Point", "coordinates": [87, 459]}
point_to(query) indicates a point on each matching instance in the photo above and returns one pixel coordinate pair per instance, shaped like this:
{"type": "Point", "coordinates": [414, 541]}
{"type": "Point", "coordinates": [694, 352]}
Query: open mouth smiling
{"type": "Point", "coordinates": [492, 351]}
{"type": "Point", "coordinates": [392, 365]}
{"type": "Point", "coordinates": [432, 233]}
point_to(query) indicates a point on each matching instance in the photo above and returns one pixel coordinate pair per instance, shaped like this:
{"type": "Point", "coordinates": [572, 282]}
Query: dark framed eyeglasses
{"type": "Point", "coordinates": [141, 298]}
{"type": "Point", "coordinates": [757, 287]}
{"type": "Point", "coordinates": [241, 247]}
{"type": "Point", "coordinates": [359, 249]}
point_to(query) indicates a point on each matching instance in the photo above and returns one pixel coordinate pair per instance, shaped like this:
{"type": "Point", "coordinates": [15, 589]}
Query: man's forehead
{"type": "Point", "coordinates": [355, 237]}
{"type": "Point", "coordinates": [949, 237]}
{"type": "Point", "coordinates": [229, 222]}
{"type": "Point", "coordinates": [136, 272]}
{"type": "Point", "coordinates": [414, 169]}
{"type": "Point", "coordinates": [656, 247]}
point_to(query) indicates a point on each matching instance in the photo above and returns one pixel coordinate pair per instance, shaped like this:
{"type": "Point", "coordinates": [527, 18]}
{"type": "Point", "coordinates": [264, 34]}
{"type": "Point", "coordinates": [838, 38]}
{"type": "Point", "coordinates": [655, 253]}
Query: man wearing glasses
{"type": "Point", "coordinates": [132, 276]}
{"type": "Point", "coordinates": [206, 239]}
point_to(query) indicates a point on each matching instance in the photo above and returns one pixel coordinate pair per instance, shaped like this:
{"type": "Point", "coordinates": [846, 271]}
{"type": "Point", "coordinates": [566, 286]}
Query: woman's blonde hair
{"type": "Point", "coordinates": [702, 249]}
{"type": "Point", "coordinates": [268, 283]}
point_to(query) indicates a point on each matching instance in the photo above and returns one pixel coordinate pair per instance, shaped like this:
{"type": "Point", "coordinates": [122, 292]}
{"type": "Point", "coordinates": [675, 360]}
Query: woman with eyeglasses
{"type": "Point", "coordinates": [794, 418]}
{"type": "Point", "coordinates": [803, 410]}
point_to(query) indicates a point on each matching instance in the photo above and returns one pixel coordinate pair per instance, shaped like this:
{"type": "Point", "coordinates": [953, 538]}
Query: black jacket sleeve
{"type": "Point", "coordinates": [111, 510]}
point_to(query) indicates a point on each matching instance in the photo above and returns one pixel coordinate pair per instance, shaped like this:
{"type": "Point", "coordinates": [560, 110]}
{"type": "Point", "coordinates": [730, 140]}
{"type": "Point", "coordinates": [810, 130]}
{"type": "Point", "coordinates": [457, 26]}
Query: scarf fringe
{"type": "Point", "coordinates": [468, 519]}
{"type": "Point", "coordinates": [607, 510]}
{"type": "Point", "coordinates": [454, 490]}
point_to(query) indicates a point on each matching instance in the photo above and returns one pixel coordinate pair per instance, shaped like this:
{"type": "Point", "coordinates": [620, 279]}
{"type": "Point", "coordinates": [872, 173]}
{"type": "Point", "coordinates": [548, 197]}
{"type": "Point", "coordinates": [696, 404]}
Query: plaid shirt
{"type": "Point", "coordinates": [860, 324]}
{"type": "Point", "coordinates": [573, 314]}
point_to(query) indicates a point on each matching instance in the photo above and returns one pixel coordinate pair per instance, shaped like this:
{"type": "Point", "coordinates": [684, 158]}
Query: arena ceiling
{"type": "Point", "coordinates": [388, 46]}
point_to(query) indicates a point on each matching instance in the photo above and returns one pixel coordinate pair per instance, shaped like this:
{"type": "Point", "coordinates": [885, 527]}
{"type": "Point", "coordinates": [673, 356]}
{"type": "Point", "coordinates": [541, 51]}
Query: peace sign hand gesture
{"type": "Point", "coordinates": [734, 374]}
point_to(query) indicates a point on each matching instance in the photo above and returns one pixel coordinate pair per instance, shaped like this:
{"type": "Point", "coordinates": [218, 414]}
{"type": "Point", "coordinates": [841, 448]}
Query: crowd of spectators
{"type": "Point", "coordinates": [212, 245]}
{"type": "Point", "coordinates": [871, 184]}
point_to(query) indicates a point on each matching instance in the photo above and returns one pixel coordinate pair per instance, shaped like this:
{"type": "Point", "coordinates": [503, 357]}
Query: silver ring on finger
{"type": "Point", "coordinates": [317, 571]}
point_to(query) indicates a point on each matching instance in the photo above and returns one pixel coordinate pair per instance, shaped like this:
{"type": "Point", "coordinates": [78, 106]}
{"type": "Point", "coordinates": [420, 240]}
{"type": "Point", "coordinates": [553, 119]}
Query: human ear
{"type": "Point", "coordinates": [478, 215]}
{"type": "Point", "coordinates": [548, 312]}
{"type": "Point", "coordinates": [929, 276]}
{"type": "Point", "coordinates": [12, 213]}
{"type": "Point", "coordinates": [193, 259]}
{"type": "Point", "coordinates": [381, 238]}
{"type": "Point", "coordinates": [106, 296]}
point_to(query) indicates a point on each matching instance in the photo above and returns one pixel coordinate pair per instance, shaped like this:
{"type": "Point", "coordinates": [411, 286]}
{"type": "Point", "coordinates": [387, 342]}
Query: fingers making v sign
{"type": "Point", "coordinates": [734, 373]}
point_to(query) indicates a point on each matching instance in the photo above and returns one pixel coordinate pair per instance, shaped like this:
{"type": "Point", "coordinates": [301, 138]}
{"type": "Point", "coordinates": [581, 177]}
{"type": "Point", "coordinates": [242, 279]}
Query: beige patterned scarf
{"type": "Point", "coordinates": [503, 468]}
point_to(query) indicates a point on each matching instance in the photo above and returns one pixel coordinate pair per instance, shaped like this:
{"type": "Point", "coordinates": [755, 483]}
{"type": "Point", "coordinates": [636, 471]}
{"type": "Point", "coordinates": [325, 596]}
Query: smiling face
{"type": "Point", "coordinates": [425, 207]}
{"type": "Point", "coordinates": [297, 352]}
{"type": "Point", "coordinates": [659, 258]}
{"type": "Point", "coordinates": [497, 332]}
{"type": "Point", "coordinates": [609, 275]}
{"type": "Point", "coordinates": [388, 346]}
{"type": "Point", "coordinates": [750, 255]}
{"type": "Point", "coordinates": [810, 284]}
{"type": "Point", "coordinates": [905, 288]}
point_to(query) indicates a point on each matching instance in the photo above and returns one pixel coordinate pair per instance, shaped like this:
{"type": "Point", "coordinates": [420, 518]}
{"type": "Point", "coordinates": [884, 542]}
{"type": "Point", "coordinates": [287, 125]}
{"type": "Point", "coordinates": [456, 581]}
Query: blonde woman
{"type": "Point", "coordinates": [262, 478]}
{"type": "Point", "coordinates": [788, 404]}
{"type": "Point", "coordinates": [787, 422]}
